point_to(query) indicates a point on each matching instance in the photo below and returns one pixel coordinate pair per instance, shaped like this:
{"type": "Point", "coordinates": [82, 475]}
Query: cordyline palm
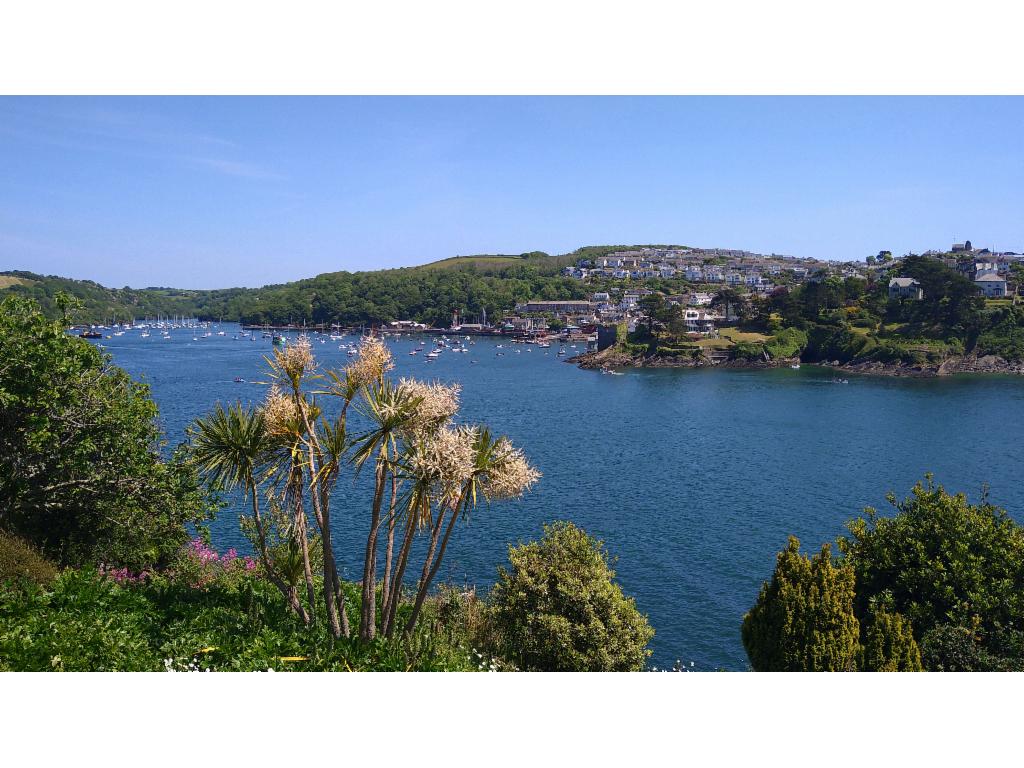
{"type": "Point", "coordinates": [488, 457]}
{"type": "Point", "coordinates": [388, 407]}
{"type": "Point", "coordinates": [317, 448]}
{"type": "Point", "coordinates": [231, 447]}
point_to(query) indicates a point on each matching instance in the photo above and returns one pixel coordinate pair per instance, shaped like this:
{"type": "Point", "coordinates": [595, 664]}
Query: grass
{"type": "Point", "coordinates": [84, 622]}
{"type": "Point", "coordinates": [7, 281]}
{"type": "Point", "coordinates": [482, 263]}
{"type": "Point", "coordinates": [736, 335]}
{"type": "Point", "coordinates": [713, 343]}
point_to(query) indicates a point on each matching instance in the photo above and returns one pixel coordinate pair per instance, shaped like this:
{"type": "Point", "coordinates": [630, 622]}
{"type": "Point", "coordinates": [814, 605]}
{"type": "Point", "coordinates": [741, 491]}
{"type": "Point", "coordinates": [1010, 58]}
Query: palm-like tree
{"type": "Point", "coordinates": [491, 456]}
{"type": "Point", "coordinates": [389, 408]}
{"type": "Point", "coordinates": [232, 448]}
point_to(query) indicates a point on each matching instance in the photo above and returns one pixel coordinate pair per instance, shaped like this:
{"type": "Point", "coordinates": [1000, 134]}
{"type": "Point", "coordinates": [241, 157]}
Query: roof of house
{"type": "Point", "coordinates": [989, 278]}
{"type": "Point", "coordinates": [903, 282]}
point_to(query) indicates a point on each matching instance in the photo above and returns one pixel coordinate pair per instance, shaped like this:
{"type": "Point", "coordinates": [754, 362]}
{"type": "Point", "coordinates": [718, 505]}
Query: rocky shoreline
{"type": "Point", "coordinates": [614, 358]}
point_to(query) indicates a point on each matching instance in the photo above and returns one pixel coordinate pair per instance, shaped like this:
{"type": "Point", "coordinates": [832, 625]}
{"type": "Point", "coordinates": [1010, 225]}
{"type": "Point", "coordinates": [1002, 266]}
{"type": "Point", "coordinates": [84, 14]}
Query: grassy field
{"type": "Point", "coordinates": [734, 335]}
{"type": "Point", "coordinates": [6, 281]}
{"type": "Point", "coordinates": [482, 263]}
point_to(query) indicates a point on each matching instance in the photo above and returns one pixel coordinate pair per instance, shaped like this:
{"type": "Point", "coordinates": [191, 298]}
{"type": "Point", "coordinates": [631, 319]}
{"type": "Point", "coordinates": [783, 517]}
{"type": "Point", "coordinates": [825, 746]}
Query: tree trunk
{"type": "Point", "coordinates": [425, 582]}
{"type": "Point", "coordinates": [396, 583]}
{"type": "Point", "coordinates": [385, 589]}
{"type": "Point", "coordinates": [300, 525]}
{"type": "Point", "coordinates": [435, 534]}
{"type": "Point", "coordinates": [368, 617]}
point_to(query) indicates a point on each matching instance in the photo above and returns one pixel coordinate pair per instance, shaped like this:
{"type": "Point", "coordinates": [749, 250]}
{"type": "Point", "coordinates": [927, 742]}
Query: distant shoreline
{"type": "Point", "coordinates": [989, 364]}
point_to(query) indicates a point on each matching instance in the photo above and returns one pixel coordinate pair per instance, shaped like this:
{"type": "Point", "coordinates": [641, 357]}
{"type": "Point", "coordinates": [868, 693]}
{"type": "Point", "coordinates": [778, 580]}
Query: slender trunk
{"type": "Point", "coordinates": [321, 511]}
{"type": "Point", "coordinates": [396, 583]}
{"type": "Point", "coordinates": [385, 588]}
{"type": "Point", "coordinates": [368, 617]}
{"type": "Point", "coordinates": [435, 534]}
{"type": "Point", "coordinates": [425, 582]}
{"type": "Point", "coordinates": [307, 569]}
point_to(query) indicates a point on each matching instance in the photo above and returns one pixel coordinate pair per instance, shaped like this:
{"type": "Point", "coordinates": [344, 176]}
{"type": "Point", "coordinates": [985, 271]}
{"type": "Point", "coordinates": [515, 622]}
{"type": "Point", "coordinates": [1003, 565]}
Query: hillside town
{"type": "Point", "coordinates": [701, 277]}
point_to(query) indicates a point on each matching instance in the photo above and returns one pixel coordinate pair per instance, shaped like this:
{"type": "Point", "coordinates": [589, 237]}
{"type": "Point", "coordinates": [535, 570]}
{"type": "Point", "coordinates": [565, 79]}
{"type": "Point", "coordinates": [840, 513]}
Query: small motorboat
{"type": "Point", "coordinates": [239, 380]}
{"type": "Point", "coordinates": [795, 366]}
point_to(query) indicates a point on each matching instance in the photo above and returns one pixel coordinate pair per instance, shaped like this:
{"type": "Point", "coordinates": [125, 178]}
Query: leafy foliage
{"type": "Point", "coordinates": [938, 586]}
{"type": "Point", "coordinates": [88, 622]}
{"type": "Point", "coordinates": [889, 644]}
{"type": "Point", "coordinates": [803, 620]}
{"type": "Point", "coordinates": [559, 608]}
{"type": "Point", "coordinates": [81, 475]}
{"type": "Point", "coordinates": [941, 560]}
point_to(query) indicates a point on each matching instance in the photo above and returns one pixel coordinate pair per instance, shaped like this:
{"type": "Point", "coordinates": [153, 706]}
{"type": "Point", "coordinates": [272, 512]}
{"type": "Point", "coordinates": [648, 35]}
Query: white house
{"type": "Point", "coordinates": [992, 285]}
{"type": "Point", "coordinates": [905, 288]}
{"type": "Point", "coordinates": [699, 320]}
{"type": "Point", "coordinates": [698, 299]}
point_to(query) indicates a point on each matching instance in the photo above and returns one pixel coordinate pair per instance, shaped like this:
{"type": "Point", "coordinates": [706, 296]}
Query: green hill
{"type": "Point", "coordinates": [469, 285]}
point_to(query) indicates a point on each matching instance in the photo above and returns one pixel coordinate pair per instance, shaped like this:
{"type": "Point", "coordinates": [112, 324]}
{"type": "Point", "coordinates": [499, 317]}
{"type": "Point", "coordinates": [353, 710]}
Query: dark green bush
{"type": "Point", "coordinates": [559, 608]}
{"type": "Point", "coordinates": [81, 472]}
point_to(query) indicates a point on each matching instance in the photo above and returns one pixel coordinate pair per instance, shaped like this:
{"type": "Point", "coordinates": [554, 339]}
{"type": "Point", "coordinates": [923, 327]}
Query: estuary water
{"type": "Point", "coordinates": [693, 479]}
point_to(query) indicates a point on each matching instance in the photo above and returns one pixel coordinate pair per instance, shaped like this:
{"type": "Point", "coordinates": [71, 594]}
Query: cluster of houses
{"type": "Point", "coordinates": [602, 309]}
{"type": "Point", "coordinates": [988, 270]}
{"type": "Point", "coordinates": [709, 270]}
{"type": "Point", "coordinates": [714, 266]}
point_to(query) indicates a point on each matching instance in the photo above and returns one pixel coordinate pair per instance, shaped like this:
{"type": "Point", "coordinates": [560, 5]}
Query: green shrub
{"type": "Point", "coordinates": [957, 648]}
{"type": "Point", "coordinates": [559, 608]}
{"type": "Point", "coordinates": [746, 350]}
{"type": "Point", "coordinates": [89, 622]}
{"type": "Point", "coordinates": [20, 560]}
{"type": "Point", "coordinates": [686, 351]}
{"type": "Point", "coordinates": [786, 343]}
{"type": "Point", "coordinates": [940, 560]}
{"type": "Point", "coordinates": [889, 644]}
{"type": "Point", "coordinates": [89, 484]}
{"type": "Point", "coordinates": [803, 619]}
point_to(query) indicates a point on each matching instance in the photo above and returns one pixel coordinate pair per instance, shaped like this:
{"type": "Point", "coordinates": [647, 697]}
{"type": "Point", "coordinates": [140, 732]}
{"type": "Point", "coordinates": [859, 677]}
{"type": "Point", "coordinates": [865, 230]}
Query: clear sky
{"type": "Point", "coordinates": [217, 192]}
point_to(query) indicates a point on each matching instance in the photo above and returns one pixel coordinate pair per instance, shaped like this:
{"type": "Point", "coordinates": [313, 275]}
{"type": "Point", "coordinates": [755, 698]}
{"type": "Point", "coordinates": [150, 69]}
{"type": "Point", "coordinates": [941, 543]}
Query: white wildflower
{"type": "Point", "coordinates": [373, 361]}
{"type": "Point", "coordinates": [295, 359]}
{"type": "Point", "coordinates": [444, 458]}
{"type": "Point", "coordinates": [511, 474]}
{"type": "Point", "coordinates": [436, 403]}
{"type": "Point", "coordinates": [279, 413]}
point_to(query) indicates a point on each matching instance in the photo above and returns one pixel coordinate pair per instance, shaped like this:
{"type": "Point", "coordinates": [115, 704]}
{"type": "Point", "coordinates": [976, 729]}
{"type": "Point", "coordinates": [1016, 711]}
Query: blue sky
{"type": "Point", "coordinates": [216, 192]}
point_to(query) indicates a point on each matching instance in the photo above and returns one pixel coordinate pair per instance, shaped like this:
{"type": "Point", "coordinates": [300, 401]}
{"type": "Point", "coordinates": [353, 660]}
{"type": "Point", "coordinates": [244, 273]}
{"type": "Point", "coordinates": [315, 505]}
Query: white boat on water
{"type": "Point", "coordinates": [795, 366]}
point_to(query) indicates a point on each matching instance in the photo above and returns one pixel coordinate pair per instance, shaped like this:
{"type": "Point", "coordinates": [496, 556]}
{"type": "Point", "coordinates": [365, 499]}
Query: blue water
{"type": "Point", "coordinates": [693, 479]}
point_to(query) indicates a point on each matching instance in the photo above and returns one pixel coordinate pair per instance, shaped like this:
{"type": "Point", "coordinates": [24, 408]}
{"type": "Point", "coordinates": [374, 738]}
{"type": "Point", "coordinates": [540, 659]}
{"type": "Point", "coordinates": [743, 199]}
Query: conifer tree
{"type": "Point", "coordinates": [889, 644]}
{"type": "Point", "coordinates": [803, 620]}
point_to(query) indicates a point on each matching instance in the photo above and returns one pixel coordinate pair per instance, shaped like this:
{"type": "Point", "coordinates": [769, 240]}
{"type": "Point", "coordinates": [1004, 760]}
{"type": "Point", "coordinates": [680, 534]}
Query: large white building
{"type": "Point", "coordinates": [992, 285]}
